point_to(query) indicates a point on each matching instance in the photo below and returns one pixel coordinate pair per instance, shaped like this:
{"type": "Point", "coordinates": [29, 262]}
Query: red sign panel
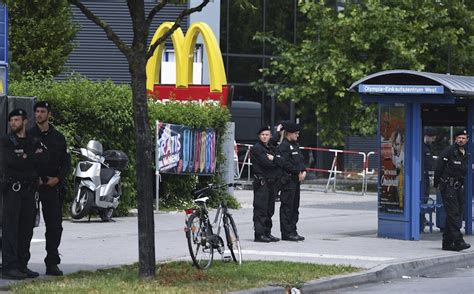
{"type": "Point", "coordinates": [199, 93]}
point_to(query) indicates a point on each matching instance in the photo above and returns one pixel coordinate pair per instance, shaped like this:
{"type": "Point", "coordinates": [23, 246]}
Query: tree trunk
{"type": "Point", "coordinates": [146, 224]}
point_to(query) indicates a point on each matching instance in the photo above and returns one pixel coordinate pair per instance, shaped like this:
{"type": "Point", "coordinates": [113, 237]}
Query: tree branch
{"type": "Point", "coordinates": [111, 35]}
{"type": "Point", "coordinates": [154, 11]}
{"type": "Point", "coordinates": [176, 24]}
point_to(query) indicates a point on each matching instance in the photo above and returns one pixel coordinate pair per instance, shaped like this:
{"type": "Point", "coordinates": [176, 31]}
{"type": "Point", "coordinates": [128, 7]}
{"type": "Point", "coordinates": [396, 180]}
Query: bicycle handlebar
{"type": "Point", "coordinates": [212, 187]}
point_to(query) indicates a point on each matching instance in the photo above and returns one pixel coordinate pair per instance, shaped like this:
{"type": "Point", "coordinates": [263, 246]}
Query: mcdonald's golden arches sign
{"type": "Point", "coordinates": [184, 46]}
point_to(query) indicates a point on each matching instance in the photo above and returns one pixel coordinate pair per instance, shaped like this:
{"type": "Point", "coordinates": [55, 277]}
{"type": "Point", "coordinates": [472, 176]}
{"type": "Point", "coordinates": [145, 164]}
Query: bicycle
{"type": "Point", "coordinates": [199, 230]}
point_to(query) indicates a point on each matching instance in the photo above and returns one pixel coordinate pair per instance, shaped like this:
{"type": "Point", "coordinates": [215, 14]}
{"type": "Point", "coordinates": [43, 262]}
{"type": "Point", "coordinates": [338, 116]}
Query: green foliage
{"type": "Point", "coordinates": [41, 35]}
{"type": "Point", "coordinates": [102, 111]}
{"type": "Point", "coordinates": [340, 47]}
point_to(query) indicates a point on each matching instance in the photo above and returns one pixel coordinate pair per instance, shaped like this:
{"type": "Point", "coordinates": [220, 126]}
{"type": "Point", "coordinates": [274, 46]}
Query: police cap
{"type": "Point", "coordinates": [42, 104]}
{"type": "Point", "coordinates": [292, 127]}
{"type": "Point", "coordinates": [263, 128]}
{"type": "Point", "coordinates": [461, 132]}
{"type": "Point", "coordinates": [17, 112]}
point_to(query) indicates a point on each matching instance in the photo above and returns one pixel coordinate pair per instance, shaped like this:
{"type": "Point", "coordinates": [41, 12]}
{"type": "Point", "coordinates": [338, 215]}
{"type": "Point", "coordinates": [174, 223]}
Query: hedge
{"type": "Point", "coordinates": [103, 111]}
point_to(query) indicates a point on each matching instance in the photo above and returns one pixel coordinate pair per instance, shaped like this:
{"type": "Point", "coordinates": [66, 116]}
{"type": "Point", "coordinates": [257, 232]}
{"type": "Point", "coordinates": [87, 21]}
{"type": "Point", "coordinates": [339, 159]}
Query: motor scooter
{"type": "Point", "coordinates": [97, 181]}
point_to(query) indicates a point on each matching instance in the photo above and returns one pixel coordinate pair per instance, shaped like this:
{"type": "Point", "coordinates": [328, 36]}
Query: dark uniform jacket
{"type": "Point", "coordinates": [451, 164]}
{"type": "Point", "coordinates": [290, 158]}
{"type": "Point", "coordinates": [261, 165]}
{"type": "Point", "coordinates": [12, 158]}
{"type": "Point", "coordinates": [59, 163]}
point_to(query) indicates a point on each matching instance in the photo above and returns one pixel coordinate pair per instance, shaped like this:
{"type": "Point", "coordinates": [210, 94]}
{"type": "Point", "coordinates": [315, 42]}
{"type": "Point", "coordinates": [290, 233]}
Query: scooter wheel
{"type": "Point", "coordinates": [80, 206]}
{"type": "Point", "coordinates": [106, 214]}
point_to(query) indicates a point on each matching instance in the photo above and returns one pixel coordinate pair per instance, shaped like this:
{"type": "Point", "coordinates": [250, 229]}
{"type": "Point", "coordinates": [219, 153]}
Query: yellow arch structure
{"type": "Point", "coordinates": [184, 56]}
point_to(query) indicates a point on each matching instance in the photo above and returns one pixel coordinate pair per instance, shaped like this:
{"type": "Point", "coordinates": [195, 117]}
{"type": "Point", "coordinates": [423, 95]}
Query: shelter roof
{"type": "Point", "coordinates": [456, 85]}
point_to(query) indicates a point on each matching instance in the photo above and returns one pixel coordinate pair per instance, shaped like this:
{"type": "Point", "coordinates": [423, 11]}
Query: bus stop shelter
{"type": "Point", "coordinates": [409, 101]}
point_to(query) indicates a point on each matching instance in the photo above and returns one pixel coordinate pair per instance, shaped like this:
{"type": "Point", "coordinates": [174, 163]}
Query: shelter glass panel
{"type": "Point", "coordinates": [392, 153]}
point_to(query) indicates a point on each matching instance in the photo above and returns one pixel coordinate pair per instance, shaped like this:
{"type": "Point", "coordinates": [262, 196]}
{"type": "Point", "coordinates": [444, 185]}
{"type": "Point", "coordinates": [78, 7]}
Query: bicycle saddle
{"type": "Point", "coordinates": [203, 199]}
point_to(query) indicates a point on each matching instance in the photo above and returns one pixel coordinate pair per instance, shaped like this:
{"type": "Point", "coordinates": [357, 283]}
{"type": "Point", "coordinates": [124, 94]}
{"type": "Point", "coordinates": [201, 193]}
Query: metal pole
{"type": "Point", "coordinates": [263, 60]}
{"type": "Point", "coordinates": [157, 180]}
{"type": "Point", "coordinates": [292, 111]}
{"type": "Point", "coordinates": [157, 171]}
{"type": "Point", "coordinates": [272, 118]}
{"type": "Point", "coordinates": [227, 40]}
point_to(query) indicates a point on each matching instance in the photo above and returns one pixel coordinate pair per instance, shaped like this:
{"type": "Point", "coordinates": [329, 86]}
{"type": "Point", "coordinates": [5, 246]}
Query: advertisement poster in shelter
{"type": "Point", "coordinates": [185, 150]}
{"type": "Point", "coordinates": [392, 156]}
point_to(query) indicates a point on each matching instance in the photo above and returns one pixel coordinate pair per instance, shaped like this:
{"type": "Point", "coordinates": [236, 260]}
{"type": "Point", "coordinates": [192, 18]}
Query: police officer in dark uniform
{"type": "Point", "coordinates": [265, 173]}
{"type": "Point", "coordinates": [275, 140]}
{"type": "Point", "coordinates": [21, 155]}
{"type": "Point", "coordinates": [290, 158]}
{"type": "Point", "coordinates": [53, 188]}
{"type": "Point", "coordinates": [450, 175]}
{"type": "Point", "coordinates": [429, 164]}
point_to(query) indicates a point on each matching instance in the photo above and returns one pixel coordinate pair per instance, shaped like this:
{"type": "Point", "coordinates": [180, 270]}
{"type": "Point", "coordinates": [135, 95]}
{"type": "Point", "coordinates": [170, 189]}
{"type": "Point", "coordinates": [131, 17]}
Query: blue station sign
{"type": "Point", "coordinates": [401, 89]}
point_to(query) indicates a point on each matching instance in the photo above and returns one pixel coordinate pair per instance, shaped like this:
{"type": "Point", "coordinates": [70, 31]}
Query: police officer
{"type": "Point", "coordinates": [21, 155]}
{"type": "Point", "coordinates": [290, 158]}
{"type": "Point", "coordinates": [429, 164]}
{"type": "Point", "coordinates": [450, 175]}
{"type": "Point", "coordinates": [265, 173]}
{"type": "Point", "coordinates": [53, 188]}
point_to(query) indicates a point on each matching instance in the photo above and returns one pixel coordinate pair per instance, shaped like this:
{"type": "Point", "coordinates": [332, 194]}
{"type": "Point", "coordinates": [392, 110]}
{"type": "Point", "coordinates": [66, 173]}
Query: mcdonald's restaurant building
{"type": "Point", "coordinates": [98, 59]}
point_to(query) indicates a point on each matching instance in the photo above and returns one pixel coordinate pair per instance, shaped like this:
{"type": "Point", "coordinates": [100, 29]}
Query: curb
{"type": "Point", "coordinates": [380, 273]}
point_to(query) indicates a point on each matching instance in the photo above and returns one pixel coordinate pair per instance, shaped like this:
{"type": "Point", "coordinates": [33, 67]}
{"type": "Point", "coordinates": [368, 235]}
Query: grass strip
{"type": "Point", "coordinates": [182, 277]}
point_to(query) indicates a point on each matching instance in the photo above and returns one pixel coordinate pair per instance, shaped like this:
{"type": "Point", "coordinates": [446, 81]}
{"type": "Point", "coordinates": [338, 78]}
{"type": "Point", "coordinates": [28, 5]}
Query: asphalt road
{"type": "Point", "coordinates": [460, 280]}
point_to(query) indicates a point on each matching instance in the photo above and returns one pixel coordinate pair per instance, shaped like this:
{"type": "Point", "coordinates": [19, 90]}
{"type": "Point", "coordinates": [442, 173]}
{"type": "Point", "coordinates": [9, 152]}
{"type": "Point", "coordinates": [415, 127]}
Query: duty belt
{"type": "Point", "coordinates": [17, 185]}
{"type": "Point", "coordinates": [259, 179]}
{"type": "Point", "coordinates": [454, 182]}
{"type": "Point", "coordinates": [264, 180]}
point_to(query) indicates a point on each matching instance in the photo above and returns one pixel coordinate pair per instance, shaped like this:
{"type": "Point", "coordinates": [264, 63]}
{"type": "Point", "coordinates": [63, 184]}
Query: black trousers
{"type": "Point", "coordinates": [19, 213]}
{"type": "Point", "coordinates": [425, 197]}
{"type": "Point", "coordinates": [263, 207]}
{"type": "Point", "coordinates": [453, 201]}
{"type": "Point", "coordinates": [289, 206]}
{"type": "Point", "coordinates": [52, 206]}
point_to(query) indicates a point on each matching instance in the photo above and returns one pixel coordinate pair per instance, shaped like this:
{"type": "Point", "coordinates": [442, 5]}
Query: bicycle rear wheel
{"type": "Point", "coordinates": [200, 249]}
{"type": "Point", "coordinates": [232, 237]}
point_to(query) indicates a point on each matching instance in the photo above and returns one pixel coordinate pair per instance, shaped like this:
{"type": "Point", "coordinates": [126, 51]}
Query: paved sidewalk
{"type": "Point", "coordinates": [340, 228]}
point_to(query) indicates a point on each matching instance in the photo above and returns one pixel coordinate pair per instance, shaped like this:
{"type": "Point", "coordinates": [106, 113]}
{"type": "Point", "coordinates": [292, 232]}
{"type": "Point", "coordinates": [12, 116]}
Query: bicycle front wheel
{"type": "Point", "coordinates": [232, 237]}
{"type": "Point", "coordinates": [200, 249]}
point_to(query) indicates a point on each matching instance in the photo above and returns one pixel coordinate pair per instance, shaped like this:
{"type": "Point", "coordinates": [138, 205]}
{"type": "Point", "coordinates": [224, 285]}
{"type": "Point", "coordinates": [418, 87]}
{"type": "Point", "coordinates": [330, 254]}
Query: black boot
{"type": "Point", "coordinates": [13, 274]}
{"type": "Point", "coordinates": [461, 245]}
{"type": "Point", "coordinates": [262, 238]}
{"type": "Point", "coordinates": [53, 270]}
{"type": "Point", "coordinates": [301, 238]}
{"type": "Point", "coordinates": [290, 238]}
{"type": "Point", "coordinates": [29, 273]}
{"type": "Point", "coordinates": [448, 245]}
{"type": "Point", "coordinates": [273, 238]}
